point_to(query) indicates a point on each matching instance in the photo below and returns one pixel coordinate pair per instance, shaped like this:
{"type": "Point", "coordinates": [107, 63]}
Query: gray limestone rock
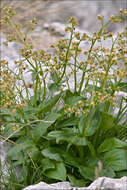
{"type": "Point", "coordinates": [102, 183]}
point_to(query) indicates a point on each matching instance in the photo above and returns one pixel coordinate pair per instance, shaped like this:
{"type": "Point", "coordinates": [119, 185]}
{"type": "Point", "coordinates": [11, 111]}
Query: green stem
{"type": "Point", "coordinates": [17, 32]}
{"type": "Point", "coordinates": [36, 85]}
{"type": "Point", "coordinates": [21, 78]}
{"type": "Point", "coordinates": [84, 71]}
{"type": "Point", "coordinates": [67, 82]}
{"type": "Point", "coordinates": [67, 53]}
{"type": "Point", "coordinates": [109, 65]}
{"type": "Point", "coordinates": [75, 61]}
{"type": "Point", "coordinates": [93, 42]}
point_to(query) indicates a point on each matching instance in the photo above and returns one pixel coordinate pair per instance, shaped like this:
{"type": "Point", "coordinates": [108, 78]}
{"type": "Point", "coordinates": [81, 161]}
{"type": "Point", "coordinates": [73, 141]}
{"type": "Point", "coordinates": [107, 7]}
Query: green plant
{"type": "Point", "coordinates": [60, 132]}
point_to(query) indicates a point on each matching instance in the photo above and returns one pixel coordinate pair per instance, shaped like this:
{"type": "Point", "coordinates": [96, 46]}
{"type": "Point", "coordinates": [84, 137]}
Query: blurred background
{"type": "Point", "coordinates": [53, 14]}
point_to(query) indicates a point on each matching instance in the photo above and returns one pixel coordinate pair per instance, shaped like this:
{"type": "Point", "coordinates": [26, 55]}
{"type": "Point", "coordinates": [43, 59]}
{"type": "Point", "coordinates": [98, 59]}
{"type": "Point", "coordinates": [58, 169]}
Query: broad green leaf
{"type": "Point", "coordinates": [67, 94]}
{"type": "Point", "coordinates": [34, 153]}
{"type": "Point", "coordinates": [110, 144]}
{"type": "Point", "coordinates": [49, 104]}
{"type": "Point", "coordinates": [52, 153]}
{"type": "Point", "coordinates": [47, 164]}
{"type": "Point", "coordinates": [93, 124]}
{"type": "Point", "coordinates": [73, 100]}
{"type": "Point", "coordinates": [28, 112]}
{"type": "Point", "coordinates": [93, 161]}
{"type": "Point", "coordinates": [107, 121]}
{"type": "Point", "coordinates": [69, 136]}
{"type": "Point", "coordinates": [116, 159]}
{"type": "Point", "coordinates": [70, 159]}
{"type": "Point", "coordinates": [58, 173]}
{"type": "Point", "coordinates": [64, 134]}
{"type": "Point", "coordinates": [76, 182]}
{"type": "Point", "coordinates": [15, 152]}
{"type": "Point", "coordinates": [82, 124]}
{"type": "Point", "coordinates": [54, 76]}
{"type": "Point", "coordinates": [42, 127]}
{"type": "Point", "coordinates": [107, 172]}
{"type": "Point", "coordinates": [91, 148]}
{"type": "Point", "coordinates": [18, 162]}
{"type": "Point", "coordinates": [79, 141]}
{"type": "Point", "coordinates": [72, 121]}
{"type": "Point", "coordinates": [87, 172]}
{"type": "Point", "coordinates": [52, 117]}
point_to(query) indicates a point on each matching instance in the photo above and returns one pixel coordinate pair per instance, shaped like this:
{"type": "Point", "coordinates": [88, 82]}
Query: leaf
{"type": "Point", "coordinates": [122, 131]}
{"type": "Point", "coordinates": [68, 135]}
{"type": "Point", "coordinates": [49, 104]}
{"type": "Point", "coordinates": [40, 130]}
{"type": "Point", "coordinates": [53, 87]}
{"type": "Point", "coordinates": [8, 130]}
{"type": "Point", "coordinates": [116, 159]}
{"type": "Point", "coordinates": [61, 135]}
{"type": "Point", "coordinates": [73, 100]}
{"type": "Point", "coordinates": [93, 124]}
{"type": "Point", "coordinates": [47, 164]}
{"type": "Point", "coordinates": [79, 141]}
{"type": "Point", "coordinates": [110, 144]}
{"type": "Point", "coordinates": [107, 172]}
{"type": "Point", "coordinates": [70, 159]}
{"type": "Point", "coordinates": [82, 124]}
{"type": "Point", "coordinates": [58, 173]}
{"type": "Point", "coordinates": [52, 153]}
{"type": "Point", "coordinates": [42, 127]}
{"type": "Point", "coordinates": [52, 117]}
{"type": "Point", "coordinates": [34, 153]}
{"type": "Point", "coordinates": [123, 86]}
{"type": "Point", "coordinates": [15, 152]}
{"type": "Point", "coordinates": [91, 148]}
{"type": "Point", "coordinates": [54, 76]}
{"type": "Point", "coordinates": [72, 121]}
{"type": "Point", "coordinates": [107, 121]}
{"type": "Point", "coordinates": [4, 112]}
{"type": "Point", "coordinates": [76, 182]}
{"type": "Point", "coordinates": [18, 162]}
{"type": "Point", "coordinates": [28, 112]}
{"type": "Point", "coordinates": [87, 172]}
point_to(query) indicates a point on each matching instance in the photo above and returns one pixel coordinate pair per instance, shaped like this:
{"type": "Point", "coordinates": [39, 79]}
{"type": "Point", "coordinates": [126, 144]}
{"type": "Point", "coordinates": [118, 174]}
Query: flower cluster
{"type": "Point", "coordinates": [101, 69]}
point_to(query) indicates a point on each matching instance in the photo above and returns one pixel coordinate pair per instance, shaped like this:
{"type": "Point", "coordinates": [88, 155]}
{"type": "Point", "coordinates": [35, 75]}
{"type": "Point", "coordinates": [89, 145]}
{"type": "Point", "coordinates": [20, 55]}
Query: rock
{"type": "Point", "coordinates": [10, 52]}
{"type": "Point", "coordinates": [84, 11]}
{"type": "Point", "coordinates": [61, 11]}
{"type": "Point", "coordinates": [4, 147]}
{"type": "Point", "coordinates": [102, 183]}
{"type": "Point", "coordinates": [106, 183]}
{"type": "Point", "coordinates": [55, 186]}
{"type": "Point", "coordinates": [56, 28]}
